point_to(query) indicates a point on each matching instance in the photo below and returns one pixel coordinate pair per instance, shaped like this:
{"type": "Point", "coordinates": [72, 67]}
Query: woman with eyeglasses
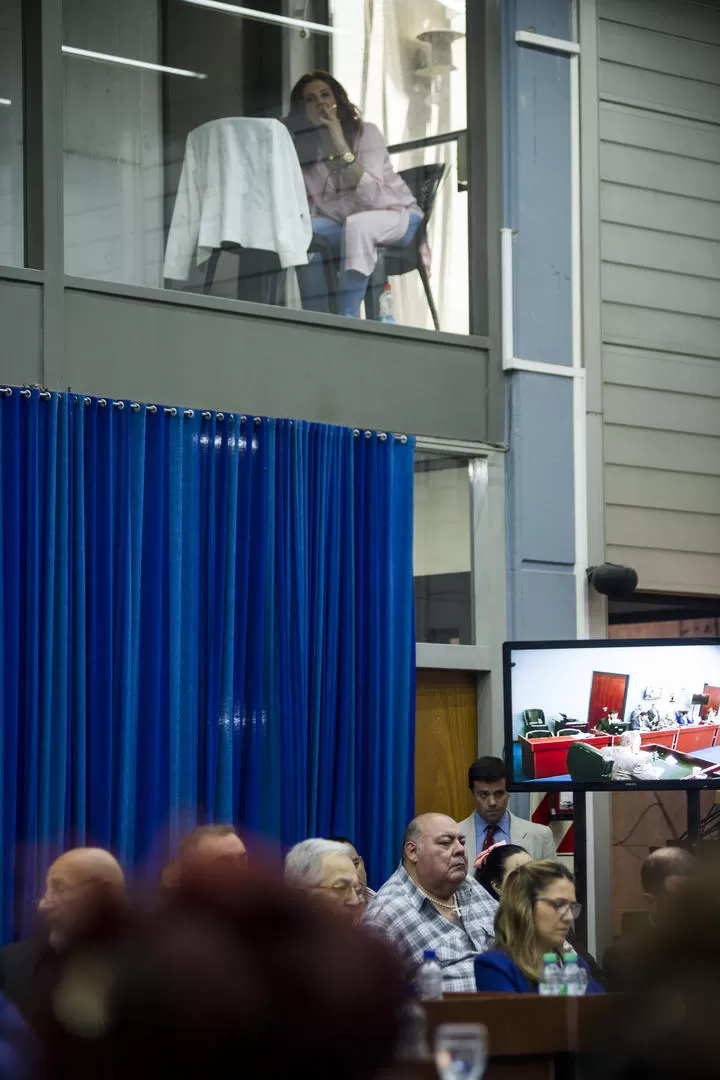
{"type": "Point", "coordinates": [537, 911]}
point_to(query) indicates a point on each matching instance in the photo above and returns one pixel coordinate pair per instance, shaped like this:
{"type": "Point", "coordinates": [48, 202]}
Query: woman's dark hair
{"type": "Point", "coordinates": [493, 869]}
{"type": "Point", "coordinates": [305, 134]}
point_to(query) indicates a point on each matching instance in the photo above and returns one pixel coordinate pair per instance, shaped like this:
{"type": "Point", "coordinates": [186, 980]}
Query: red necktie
{"type": "Point", "coordinates": [489, 837]}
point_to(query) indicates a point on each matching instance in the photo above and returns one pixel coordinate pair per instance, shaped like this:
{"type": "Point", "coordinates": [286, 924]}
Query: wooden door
{"type": "Point", "coordinates": [607, 695]}
{"type": "Point", "coordinates": [445, 741]}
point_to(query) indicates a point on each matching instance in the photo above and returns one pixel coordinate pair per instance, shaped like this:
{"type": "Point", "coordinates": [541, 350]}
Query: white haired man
{"type": "Point", "coordinates": [325, 868]}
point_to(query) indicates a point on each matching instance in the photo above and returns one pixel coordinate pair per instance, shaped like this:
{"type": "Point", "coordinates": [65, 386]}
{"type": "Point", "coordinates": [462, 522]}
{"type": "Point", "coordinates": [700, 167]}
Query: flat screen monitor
{"type": "Point", "coordinates": [610, 715]}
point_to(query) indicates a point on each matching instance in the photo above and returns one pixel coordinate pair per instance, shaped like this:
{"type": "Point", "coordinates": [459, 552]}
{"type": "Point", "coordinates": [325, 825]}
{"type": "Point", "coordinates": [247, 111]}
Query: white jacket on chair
{"type": "Point", "coordinates": [241, 183]}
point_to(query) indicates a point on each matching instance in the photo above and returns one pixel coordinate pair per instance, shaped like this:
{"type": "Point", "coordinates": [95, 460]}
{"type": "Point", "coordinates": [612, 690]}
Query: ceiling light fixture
{"type": "Point", "coordinates": [262, 16]}
{"type": "Point", "coordinates": [5, 101]}
{"type": "Point", "coordinates": [126, 61]}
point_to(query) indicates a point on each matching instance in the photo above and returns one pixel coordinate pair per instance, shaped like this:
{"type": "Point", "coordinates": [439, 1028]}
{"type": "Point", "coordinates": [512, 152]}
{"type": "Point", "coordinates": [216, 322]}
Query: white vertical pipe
{"type": "Point", "coordinates": [579, 413]}
{"type": "Point", "coordinates": [506, 297]}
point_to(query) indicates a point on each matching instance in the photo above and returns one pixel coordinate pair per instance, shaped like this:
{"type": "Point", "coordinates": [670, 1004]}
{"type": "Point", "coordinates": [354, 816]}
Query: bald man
{"type": "Point", "coordinates": [75, 882]}
{"type": "Point", "coordinates": [663, 874]}
{"type": "Point", "coordinates": [431, 903]}
{"type": "Point", "coordinates": [208, 845]}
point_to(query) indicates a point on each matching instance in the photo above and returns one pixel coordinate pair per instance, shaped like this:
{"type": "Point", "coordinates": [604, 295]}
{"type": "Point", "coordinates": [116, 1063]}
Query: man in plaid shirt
{"type": "Point", "coordinates": [431, 903]}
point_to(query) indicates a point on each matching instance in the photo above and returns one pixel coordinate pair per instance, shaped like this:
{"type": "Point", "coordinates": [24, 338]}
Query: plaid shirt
{"type": "Point", "coordinates": [413, 924]}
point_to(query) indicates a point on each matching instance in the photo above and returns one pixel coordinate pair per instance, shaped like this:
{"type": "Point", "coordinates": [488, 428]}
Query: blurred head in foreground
{"type": "Point", "coordinates": [326, 869]}
{"type": "Point", "coordinates": [208, 845]}
{"type": "Point", "coordinates": [536, 913]}
{"type": "Point", "coordinates": [229, 974]}
{"type": "Point", "coordinates": [663, 873]}
{"type": "Point", "coordinates": [667, 1028]}
{"type": "Point", "coordinates": [76, 882]}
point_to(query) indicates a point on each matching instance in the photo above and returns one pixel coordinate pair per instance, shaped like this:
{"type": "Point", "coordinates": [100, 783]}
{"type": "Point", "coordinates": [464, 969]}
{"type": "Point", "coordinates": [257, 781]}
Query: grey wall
{"type": "Point", "coordinates": [221, 358]}
{"type": "Point", "coordinates": [659, 88]}
{"type": "Point", "coordinates": [21, 339]}
{"type": "Point", "coordinates": [540, 498]}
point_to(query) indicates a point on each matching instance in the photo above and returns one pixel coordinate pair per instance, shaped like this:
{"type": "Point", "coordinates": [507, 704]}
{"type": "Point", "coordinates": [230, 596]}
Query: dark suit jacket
{"type": "Point", "coordinates": [19, 968]}
{"type": "Point", "coordinates": [496, 973]}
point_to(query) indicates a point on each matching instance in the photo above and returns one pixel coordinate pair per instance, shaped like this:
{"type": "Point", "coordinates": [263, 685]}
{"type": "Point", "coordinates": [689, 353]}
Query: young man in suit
{"type": "Point", "coordinates": [491, 821]}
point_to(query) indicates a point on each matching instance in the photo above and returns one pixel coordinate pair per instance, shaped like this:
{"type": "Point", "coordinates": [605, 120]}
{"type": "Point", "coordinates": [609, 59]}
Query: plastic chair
{"type": "Point", "coordinates": [424, 182]}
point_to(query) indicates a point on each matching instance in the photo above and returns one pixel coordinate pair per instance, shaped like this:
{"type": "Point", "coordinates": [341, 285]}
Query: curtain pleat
{"type": "Point", "coordinates": [202, 618]}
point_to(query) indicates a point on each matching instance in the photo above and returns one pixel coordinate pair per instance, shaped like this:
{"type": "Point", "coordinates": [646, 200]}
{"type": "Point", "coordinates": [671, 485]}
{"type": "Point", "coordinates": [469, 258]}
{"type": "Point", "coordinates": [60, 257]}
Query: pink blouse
{"type": "Point", "coordinates": [379, 189]}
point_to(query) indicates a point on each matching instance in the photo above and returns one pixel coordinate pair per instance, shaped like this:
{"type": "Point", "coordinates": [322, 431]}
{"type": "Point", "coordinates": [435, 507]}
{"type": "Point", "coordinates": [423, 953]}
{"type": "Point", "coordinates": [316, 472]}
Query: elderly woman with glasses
{"type": "Point", "coordinates": [325, 869]}
{"type": "Point", "coordinates": [536, 913]}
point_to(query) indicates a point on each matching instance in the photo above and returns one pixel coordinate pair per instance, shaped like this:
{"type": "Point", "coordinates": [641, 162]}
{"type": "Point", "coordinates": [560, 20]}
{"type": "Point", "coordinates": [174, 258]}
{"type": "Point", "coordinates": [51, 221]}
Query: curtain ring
{"type": "Point", "coordinates": [356, 433]}
{"type": "Point", "coordinates": [207, 416]}
{"type": "Point", "coordinates": [152, 409]}
{"type": "Point", "coordinates": [368, 434]}
{"type": "Point", "coordinates": [102, 402]}
{"type": "Point", "coordinates": [257, 420]}
{"type": "Point", "coordinates": [119, 404]}
{"type": "Point", "coordinates": [170, 410]}
{"type": "Point", "coordinates": [135, 406]}
{"type": "Point", "coordinates": [7, 391]}
{"type": "Point", "coordinates": [403, 438]}
{"type": "Point", "coordinates": [189, 413]}
{"type": "Point", "coordinates": [25, 393]}
{"type": "Point", "coordinates": [382, 436]}
{"type": "Point", "coordinates": [45, 395]}
{"type": "Point", "coordinates": [87, 401]}
{"type": "Point", "coordinates": [221, 416]}
{"type": "Point", "coordinates": [243, 419]}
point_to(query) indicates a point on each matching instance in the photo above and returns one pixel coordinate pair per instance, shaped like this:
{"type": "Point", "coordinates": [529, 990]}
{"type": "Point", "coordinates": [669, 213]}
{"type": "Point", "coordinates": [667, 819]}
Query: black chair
{"type": "Point", "coordinates": [424, 182]}
{"type": "Point", "coordinates": [538, 733]}
{"type": "Point", "coordinates": [260, 277]}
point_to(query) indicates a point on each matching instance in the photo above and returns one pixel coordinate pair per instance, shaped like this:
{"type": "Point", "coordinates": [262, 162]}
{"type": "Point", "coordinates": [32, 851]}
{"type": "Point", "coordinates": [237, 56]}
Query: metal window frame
{"type": "Point", "coordinates": [489, 597]}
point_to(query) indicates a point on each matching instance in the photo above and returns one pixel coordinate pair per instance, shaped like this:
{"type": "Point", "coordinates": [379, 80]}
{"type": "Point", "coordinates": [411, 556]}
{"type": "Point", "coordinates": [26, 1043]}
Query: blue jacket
{"type": "Point", "coordinates": [496, 973]}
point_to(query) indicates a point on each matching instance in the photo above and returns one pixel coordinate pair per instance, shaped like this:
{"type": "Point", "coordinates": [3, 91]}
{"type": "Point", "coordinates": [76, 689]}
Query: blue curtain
{"type": "Point", "coordinates": [203, 617]}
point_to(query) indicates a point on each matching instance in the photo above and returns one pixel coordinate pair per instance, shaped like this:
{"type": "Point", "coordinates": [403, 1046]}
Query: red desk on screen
{"type": "Point", "coordinates": [548, 757]}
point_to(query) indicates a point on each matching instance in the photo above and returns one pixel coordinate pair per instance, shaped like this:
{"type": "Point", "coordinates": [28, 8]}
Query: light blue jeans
{"type": "Point", "coordinates": [351, 284]}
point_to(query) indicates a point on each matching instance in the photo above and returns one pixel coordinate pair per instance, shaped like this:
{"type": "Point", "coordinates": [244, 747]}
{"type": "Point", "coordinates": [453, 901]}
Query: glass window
{"type": "Point", "coordinates": [201, 156]}
{"type": "Point", "coordinates": [442, 561]}
{"type": "Point", "coordinates": [12, 232]}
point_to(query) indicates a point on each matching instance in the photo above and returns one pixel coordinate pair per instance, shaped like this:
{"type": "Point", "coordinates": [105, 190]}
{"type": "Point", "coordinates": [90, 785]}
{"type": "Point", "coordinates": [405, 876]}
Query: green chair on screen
{"type": "Point", "coordinates": [587, 765]}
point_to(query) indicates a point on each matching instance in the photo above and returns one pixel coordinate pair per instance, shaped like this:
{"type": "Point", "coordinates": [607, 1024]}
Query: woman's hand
{"type": "Point", "coordinates": [329, 119]}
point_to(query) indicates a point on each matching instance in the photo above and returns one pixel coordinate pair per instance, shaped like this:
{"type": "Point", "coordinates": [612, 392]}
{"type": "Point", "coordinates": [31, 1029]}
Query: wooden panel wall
{"type": "Point", "coordinates": [660, 208]}
{"type": "Point", "coordinates": [445, 741]}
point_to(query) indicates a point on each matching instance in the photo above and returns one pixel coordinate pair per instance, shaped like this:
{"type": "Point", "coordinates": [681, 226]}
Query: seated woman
{"type": "Point", "coordinates": [356, 198]}
{"type": "Point", "coordinates": [536, 913]}
{"type": "Point", "coordinates": [493, 865]}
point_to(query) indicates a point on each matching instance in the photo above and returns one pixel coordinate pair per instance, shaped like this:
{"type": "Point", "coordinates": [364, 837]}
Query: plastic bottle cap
{"type": "Point", "coordinates": [429, 954]}
{"type": "Point", "coordinates": [571, 958]}
{"type": "Point", "coordinates": [550, 958]}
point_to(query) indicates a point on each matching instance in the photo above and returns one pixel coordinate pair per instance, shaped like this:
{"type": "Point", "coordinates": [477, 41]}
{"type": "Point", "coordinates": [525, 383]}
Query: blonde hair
{"type": "Point", "coordinates": [515, 917]}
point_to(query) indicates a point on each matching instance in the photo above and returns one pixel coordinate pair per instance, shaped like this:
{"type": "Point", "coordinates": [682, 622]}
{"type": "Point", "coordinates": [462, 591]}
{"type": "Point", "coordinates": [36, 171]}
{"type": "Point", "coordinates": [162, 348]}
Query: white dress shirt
{"type": "Point", "coordinates": [241, 183]}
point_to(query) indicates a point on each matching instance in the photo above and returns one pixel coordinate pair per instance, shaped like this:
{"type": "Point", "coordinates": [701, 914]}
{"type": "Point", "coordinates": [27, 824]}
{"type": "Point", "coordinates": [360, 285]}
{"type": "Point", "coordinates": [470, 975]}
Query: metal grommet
{"type": "Point", "coordinates": [189, 413]}
{"type": "Point", "coordinates": [45, 395]}
{"type": "Point", "coordinates": [368, 434]}
{"type": "Point", "coordinates": [382, 436]}
{"type": "Point", "coordinates": [170, 410]}
{"type": "Point", "coordinates": [152, 409]}
{"type": "Point", "coordinates": [102, 402]}
{"type": "Point", "coordinates": [257, 420]}
{"type": "Point", "coordinates": [207, 416]}
{"type": "Point", "coordinates": [243, 419]}
{"type": "Point", "coordinates": [221, 416]}
{"type": "Point", "coordinates": [119, 404]}
{"type": "Point", "coordinates": [26, 394]}
{"type": "Point", "coordinates": [135, 406]}
{"type": "Point", "coordinates": [87, 401]}
{"type": "Point", "coordinates": [356, 433]}
{"type": "Point", "coordinates": [7, 391]}
{"type": "Point", "coordinates": [403, 438]}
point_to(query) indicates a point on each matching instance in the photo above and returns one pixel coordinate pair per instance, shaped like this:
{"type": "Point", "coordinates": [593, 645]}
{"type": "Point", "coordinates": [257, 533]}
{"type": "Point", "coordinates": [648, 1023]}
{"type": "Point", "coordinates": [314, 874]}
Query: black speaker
{"type": "Point", "coordinates": [613, 580]}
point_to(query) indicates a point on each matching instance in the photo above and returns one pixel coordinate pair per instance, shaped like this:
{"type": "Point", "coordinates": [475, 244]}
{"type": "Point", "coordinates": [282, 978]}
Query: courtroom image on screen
{"type": "Point", "coordinates": [591, 716]}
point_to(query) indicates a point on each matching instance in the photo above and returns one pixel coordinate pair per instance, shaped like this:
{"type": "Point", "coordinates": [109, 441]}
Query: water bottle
{"type": "Point", "coordinates": [574, 976]}
{"type": "Point", "coordinates": [413, 1042]}
{"type": "Point", "coordinates": [430, 978]}
{"type": "Point", "coordinates": [551, 980]}
{"type": "Point", "coordinates": [385, 305]}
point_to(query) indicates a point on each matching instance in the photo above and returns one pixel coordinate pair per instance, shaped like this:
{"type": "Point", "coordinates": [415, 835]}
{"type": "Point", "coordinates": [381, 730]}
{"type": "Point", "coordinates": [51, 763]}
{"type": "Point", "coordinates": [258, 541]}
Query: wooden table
{"type": "Point", "coordinates": [548, 757]}
{"type": "Point", "coordinates": [529, 1037]}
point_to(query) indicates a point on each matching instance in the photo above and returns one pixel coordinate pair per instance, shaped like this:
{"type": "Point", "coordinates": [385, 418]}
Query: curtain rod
{"type": "Point", "coordinates": [171, 410]}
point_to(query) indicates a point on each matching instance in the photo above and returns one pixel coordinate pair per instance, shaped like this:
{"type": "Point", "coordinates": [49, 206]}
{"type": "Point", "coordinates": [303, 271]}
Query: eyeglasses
{"type": "Point", "coordinates": [344, 890]}
{"type": "Point", "coordinates": [561, 906]}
